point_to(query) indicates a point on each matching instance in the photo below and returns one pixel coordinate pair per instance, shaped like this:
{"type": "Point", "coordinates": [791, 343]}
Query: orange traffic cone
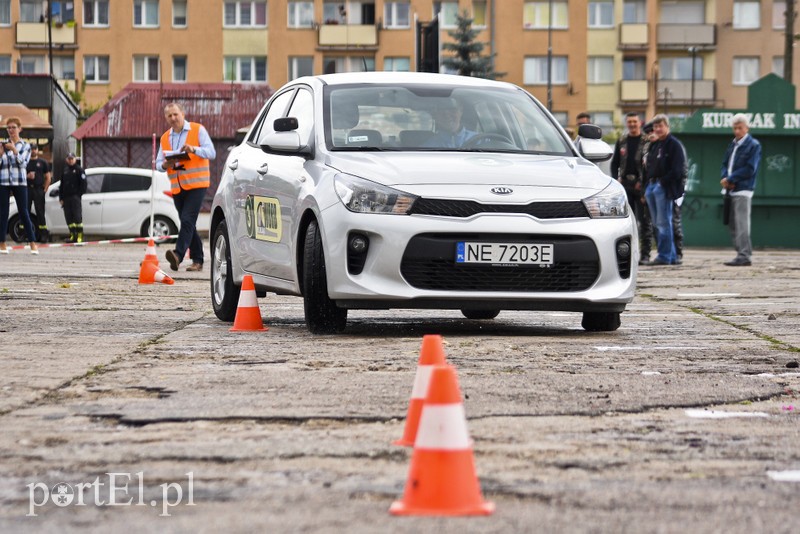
{"type": "Point", "coordinates": [150, 274]}
{"type": "Point", "coordinates": [430, 354]}
{"type": "Point", "coordinates": [442, 479]}
{"type": "Point", "coordinates": [248, 316]}
{"type": "Point", "coordinates": [150, 253]}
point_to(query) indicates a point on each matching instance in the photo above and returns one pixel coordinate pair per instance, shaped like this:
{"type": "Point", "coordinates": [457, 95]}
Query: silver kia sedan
{"type": "Point", "coordinates": [385, 190]}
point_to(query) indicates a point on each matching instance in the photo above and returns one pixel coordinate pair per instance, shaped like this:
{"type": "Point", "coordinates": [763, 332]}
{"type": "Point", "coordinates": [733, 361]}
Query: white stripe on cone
{"type": "Point", "coordinates": [421, 381]}
{"type": "Point", "coordinates": [443, 427]}
{"type": "Point", "coordinates": [248, 299]}
{"type": "Point", "coordinates": [160, 276]}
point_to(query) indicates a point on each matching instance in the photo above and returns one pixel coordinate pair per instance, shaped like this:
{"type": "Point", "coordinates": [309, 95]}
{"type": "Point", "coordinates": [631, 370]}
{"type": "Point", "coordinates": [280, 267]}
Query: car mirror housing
{"type": "Point", "coordinates": [284, 142]}
{"type": "Point", "coordinates": [594, 149]}
{"type": "Point", "coordinates": [590, 131]}
{"type": "Point", "coordinates": [54, 192]}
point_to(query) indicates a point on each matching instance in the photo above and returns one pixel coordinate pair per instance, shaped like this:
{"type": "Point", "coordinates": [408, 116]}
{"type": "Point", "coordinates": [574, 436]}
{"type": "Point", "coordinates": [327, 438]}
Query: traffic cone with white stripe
{"type": "Point", "coordinates": [442, 479]}
{"type": "Point", "coordinates": [248, 315]}
{"type": "Point", "coordinates": [430, 354]}
{"type": "Point", "coordinates": [150, 253]}
{"type": "Point", "coordinates": [150, 274]}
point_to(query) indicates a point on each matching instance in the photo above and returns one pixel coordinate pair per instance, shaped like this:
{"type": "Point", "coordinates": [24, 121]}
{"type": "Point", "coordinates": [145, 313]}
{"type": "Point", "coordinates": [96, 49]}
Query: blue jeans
{"type": "Point", "coordinates": [21, 198]}
{"type": "Point", "coordinates": [188, 203]}
{"type": "Point", "coordinates": [661, 214]}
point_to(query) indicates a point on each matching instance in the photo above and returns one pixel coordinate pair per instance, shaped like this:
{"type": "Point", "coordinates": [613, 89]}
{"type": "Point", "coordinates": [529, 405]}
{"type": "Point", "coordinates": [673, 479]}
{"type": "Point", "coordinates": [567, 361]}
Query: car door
{"type": "Point", "coordinates": [277, 188]}
{"type": "Point", "coordinates": [248, 166]}
{"type": "Point", "coordinates": [92, 203]}
{"type": "Point", "coordinates": [126, 203]}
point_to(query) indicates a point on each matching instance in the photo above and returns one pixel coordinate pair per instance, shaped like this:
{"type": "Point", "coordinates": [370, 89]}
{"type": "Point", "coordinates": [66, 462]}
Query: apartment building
{"type": "Point", "coordinates": [608, 56]}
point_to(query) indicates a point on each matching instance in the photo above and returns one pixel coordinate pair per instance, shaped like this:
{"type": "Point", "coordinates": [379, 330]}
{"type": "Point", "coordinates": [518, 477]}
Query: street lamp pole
{"type": "Point", "coordinates": [693, 51]}
{"type": "Point", "coordinates": [550, 55]}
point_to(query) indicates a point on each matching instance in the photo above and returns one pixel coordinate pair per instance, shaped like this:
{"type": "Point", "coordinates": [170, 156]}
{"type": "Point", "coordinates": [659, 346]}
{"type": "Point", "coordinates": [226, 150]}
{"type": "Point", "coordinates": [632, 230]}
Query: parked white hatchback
{"type": "Point", "coordinates": [116, 203]}
{"type": "Point", "coordinates": [409, 190]}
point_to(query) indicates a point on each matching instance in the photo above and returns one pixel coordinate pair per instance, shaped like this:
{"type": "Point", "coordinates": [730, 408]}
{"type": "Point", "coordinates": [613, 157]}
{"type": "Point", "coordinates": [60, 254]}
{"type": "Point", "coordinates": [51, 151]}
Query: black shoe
{"type": "Point", "coordinates": [738, 263]}
{"type": "Point", "coordinates": [658, 261]}
{"type": "Point", "coordinates": [173, 260]}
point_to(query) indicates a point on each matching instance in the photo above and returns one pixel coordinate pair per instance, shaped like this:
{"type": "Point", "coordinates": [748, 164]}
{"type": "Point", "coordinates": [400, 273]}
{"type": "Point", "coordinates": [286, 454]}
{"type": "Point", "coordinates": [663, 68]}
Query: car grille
{"type": "Point", "coordinates": [429, 263]}
{"type": "Point", "coordinates": [468, 208]}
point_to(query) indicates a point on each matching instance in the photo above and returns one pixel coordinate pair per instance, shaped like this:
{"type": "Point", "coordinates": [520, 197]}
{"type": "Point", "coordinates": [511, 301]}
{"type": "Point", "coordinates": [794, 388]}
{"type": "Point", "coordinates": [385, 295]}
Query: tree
{"type": "Point", "coordinates": [467, 59]}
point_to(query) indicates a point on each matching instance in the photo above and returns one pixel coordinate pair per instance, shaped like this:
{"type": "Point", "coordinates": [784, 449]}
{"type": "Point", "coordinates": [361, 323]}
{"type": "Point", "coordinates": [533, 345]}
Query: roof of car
{"type": "Point", "coordinates": [406, 77]}
{"type": "Point", "coordinates": [119, 170]}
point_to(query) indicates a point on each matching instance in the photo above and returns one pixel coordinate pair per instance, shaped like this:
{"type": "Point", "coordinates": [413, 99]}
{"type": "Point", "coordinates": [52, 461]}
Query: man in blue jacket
{"type": "Point", "coordinates": [739, 169]}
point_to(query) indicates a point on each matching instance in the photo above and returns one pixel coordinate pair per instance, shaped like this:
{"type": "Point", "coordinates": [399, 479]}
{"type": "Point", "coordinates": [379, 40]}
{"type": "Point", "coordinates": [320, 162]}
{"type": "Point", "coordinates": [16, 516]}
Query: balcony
{"type": "Point", "coordinates": [346, 36]}
{"type": "Point", "coordinates": [682, 36]}
{"type": "Point", "coordinates": [679, 92]}
{"type": "Point", "coordinates": [633, 91]}
{"type": "Point", "coordinates": [633, 37]}
{"type": "Point", "coordinates": [34, 35]}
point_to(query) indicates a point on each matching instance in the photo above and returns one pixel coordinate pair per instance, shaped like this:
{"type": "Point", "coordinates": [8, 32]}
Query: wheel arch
{"type": "Point", "coordinates": [306, 219]}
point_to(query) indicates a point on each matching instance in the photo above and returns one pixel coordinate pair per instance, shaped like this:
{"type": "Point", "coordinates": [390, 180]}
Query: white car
{"type": "Point", "coordinates": [116, 203]}
{"type": "Point", "coordinates": [346, 192]}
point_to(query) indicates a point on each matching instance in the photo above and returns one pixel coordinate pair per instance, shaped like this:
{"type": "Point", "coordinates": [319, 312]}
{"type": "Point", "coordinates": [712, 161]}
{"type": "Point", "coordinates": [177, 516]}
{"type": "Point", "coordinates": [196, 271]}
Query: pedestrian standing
{"type": "Point", "coordinates": [185, 153]}
{"type": "Point", "coordinates": [14, 180]}
{"type": "Point", "coordinates": [627, 166]}
{"type": "Point", "coordinates": [666, 165]}
{"type": "Point", "coordinates": [72, 188]}
{"type": "Point", "coordinates": [739, 169]}
{"type": "Point", "coordinates": [39, 177]}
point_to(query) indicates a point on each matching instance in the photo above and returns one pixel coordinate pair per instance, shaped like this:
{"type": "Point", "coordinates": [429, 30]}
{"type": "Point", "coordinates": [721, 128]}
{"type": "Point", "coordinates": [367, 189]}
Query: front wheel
{"type": "Point", "coordinates": [224, 293]}
{"type": "Point", "coordinates": [480, 314]}
{"type": "Point", "coordinates": [600, 321]}
{"type": "Point", "coordinates": [323, 316]}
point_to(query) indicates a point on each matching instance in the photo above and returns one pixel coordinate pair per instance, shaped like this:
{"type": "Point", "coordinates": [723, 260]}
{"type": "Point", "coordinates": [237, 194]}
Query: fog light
{"type": "Point", "coordinates": [358, 243]}
{"type": "Point", "coordinates": [623, 249]}
{"type": "Point", "coordinates": [357, 249]}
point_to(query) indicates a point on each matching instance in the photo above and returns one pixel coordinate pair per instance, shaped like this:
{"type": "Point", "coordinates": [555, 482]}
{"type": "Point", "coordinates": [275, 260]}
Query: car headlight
{"type": "Point", "coordinates": [611, 202]}
{"type": "Point", "coordinates": [363, 196]}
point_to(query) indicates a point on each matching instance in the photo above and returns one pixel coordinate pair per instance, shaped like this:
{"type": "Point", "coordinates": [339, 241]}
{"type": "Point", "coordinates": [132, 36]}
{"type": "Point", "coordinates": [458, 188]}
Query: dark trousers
{"type": "Point", "coordinates": [642, 215]}
{"type": "Point", "coordinates": [677, 229]}
{"type": "Point", "coordinates": [188, 203]}
{"type": "Point", "coordinates": [21, 198]}
{"type": "Point", "coordinates": [36, 199]}
{"type": "Point", "coordinates": [73, 212]}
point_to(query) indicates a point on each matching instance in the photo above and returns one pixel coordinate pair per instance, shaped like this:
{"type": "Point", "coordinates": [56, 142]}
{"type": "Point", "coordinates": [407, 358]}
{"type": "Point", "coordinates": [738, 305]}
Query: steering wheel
{"type": "Point", "coordinates": [480, 138]}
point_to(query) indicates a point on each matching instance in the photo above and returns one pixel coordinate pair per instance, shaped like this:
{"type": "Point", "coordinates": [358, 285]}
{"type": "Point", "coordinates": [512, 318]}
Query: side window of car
{"type": "Point", "coordinates": [303, 110]}
{"type": "Point", "coordinates": [118, 183]}
{"type": "Point", "coordinates": [276, 110]}
{"type": "Point", "coordinates": [94, 183]}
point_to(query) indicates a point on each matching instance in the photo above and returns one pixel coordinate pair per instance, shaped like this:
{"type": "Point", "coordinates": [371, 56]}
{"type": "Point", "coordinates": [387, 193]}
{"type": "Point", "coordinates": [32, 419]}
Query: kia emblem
{"type": "Point", "coordinates": [501, 190]}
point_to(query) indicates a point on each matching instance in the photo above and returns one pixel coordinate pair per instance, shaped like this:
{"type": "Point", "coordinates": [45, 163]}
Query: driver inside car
{"type": "Point", "coordinates": [450, 133]}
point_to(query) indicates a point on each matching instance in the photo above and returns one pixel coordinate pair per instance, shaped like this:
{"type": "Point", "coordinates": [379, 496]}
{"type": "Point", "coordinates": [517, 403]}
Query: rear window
{"type": "Point", "coordinates": [117, 183]}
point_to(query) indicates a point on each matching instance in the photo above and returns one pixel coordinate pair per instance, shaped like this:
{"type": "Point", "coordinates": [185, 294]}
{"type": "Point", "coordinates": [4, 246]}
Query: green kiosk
{"type": "Point", "coordinates": [775, 122]}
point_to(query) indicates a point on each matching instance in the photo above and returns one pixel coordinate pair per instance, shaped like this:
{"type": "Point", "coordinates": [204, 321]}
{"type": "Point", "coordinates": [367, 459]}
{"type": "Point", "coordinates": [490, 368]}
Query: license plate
{"type": "Point", "coordinates": [504, 253]}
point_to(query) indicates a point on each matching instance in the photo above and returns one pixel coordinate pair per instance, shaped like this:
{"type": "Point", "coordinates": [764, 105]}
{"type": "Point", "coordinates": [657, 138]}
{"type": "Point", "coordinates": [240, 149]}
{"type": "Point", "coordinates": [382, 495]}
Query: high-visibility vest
{"type": "Point", "coordinates": [196, 172]}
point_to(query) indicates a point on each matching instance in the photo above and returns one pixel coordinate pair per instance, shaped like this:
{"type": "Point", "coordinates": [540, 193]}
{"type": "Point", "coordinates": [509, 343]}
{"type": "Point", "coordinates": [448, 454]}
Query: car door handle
{"type": "Point", "coordinates": [263, 169]}
{"type": "Point", "coordinates": [144, 202]}
{"type": "Point", "coordinates": [233, 165]}
{"type": "Point", "coordinates": [95, 203]}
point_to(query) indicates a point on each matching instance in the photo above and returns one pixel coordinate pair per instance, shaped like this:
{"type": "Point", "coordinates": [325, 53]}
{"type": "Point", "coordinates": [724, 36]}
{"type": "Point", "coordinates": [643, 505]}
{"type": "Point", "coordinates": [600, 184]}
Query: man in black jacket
{"type": "Point", "coordinates": [666, 166]}
{"type": "Point", "coordinates": [73, 186]}
{"type": "Point", "coordinates": [38, 182]}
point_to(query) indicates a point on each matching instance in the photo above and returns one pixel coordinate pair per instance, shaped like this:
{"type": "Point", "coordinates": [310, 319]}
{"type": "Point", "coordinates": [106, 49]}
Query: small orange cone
{"type": "Point", "coordinates": [442, 479]}
{"type": "Point", "coordinates": [150, 274]}
{"type": "Point", "coordinates": [430, 354]}
{"type": "Point", "coordinates": [248, 315]}
{"type": "Point", "coordinates": [150, 253]}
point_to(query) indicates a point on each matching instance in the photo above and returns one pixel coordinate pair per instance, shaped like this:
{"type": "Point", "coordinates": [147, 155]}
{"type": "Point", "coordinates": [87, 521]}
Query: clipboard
{"type": "Point", "coordinates": [175, 155]}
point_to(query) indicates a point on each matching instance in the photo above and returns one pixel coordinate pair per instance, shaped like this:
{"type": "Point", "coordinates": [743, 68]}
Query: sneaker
{"type": "Point", "coordinates": [195, 267]}
{"type": "Point", "coordinates": [738, 263]}
{"type": "Point", "coordinates": [173, 260]}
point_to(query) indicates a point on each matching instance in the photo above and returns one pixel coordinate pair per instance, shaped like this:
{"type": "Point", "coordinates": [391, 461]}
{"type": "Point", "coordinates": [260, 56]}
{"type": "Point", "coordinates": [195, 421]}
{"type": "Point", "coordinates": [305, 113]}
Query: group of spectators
{"type": "Point", "coordinates": [652, 166]}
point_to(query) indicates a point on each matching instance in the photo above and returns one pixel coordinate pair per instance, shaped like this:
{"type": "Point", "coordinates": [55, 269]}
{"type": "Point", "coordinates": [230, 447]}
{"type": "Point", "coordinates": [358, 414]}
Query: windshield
{"type": "Point", "coordinates": [438, 118]}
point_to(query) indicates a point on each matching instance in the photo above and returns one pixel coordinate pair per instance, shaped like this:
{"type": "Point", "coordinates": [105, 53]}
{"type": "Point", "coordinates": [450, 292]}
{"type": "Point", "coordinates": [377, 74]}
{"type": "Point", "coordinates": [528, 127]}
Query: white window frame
{"type": "Point", "coordinates": [746, 15]}
{"type": "Point", "coordinates": [639, 11]}
{"type": "Point", "coordinates": [596, 12]}
{"type": "Point", "coordinates": [479, 6]}
{"type": "Point", "coordinates": [146, 68]}
{"type": "Point", "coordinates": [185, 69]}
{"type": "Point", "coordinates": [639, 64]}
{"type": "Point", "coordinates": [535, 70]}
{"type": "Point", "coordinates": [389, 63]}
{"type": "Point", "coordinates": [239, 7]}
{"type": "Point", "coordinates": [185, 4]}
{"type": "Point", "coordinates": [252, 64]}
{"type": "Point", "coordinates": [392, 14]}
{"type": "Point", "coordinates": [778, 63]}
{"type": "Point", "coordinates": [95, 10]}
{"type": "Point", "coordinates": [38, 10]}
{"type": "Point", "coordinates": [778, 17]}
{"type": "Point", "coordinates": [97, 80]}
{"type": "Point", "coordinates": [296, 10]}
{"type": "Point", "coordinates": [600, 70]}
{"type": "Point", "coordinates": [58, 65]}
{"type": "Point", "coordinates": [294, 67]}
{"type": "Point", "coordinates": [5, 64]}
{"type": "Point", "coordinates": [540, 9]}
{"type": "Point", "coordinates": [740, 64]}
{"type": "Point", "coordinates": [5, 13]}
{"type": "Point", "coordinates": [38, 63]}
{"type": "Point", "coordinates": [146, 7]}
{"type": "Point", "coordinates": [448, 13]}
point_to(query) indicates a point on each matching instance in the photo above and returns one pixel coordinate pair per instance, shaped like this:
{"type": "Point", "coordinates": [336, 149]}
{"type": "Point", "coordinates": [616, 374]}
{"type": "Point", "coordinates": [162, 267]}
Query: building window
{"type": "Point", "coordinates": [301, 14]}
{"type": "Point", "coordinates": [245, 68]}
{"type": "Point", "coordinates": [31, 11]}
{"type": "Point", "coordinates": [777, 65]}
{"type": "Point", "coordinates": [95, 69]}
{"type": "Point", "coordinates": [334, 12]}
{"type": "Point", "coordinates": [680, 68]}
{"type": "Point", "coordinates": [601, 14]}
{"type": "Point", "coordinates": [745, 70]}
{"type": "Point", "coordinates": [146, 69]}
{"type": "Point", "coordinates": [600, 70]}
{"type": "Point", "coordinates": [301, 66]}
{"type": "Point", "coordinates": [448, 14]}
{"type": "Point", "coordinates": [634, 68]}
{"type": "Point", "coordinates": [561, 117]}
{"type": "Point", "coordinates": [62, 11]}
{"type": "Point", "coordinates": [634, 12]}
{"type": "Point", "coordinates": [604, 119]}
{"type": "Point", "coordinates": [683, 12]}
{"type": "Point", "coordinates": [95, 13]}
{"type": "Point", "coordinates": [396, 15]}
{"type": "Point", "coordinates": [179, 13]}
{"type": "Point", "coordinates": [536, 70]}
{"type": "Point", "coordinates": [778, 15]}
{"type": "Point", "coordinates": [178, 68]}
{"type": "Point", "coordinates": [397, 64]}
{"type": "Point", "coordinates": [245, 15]}
{"type": "Point", "coordinates": [348, 64]}
{"type": "Point", "coordinates": [5, 12]}
{"type": "Point", "coordinates": [5, 64]}
{"type": "Point", "coordinates": [746, 15]}
{"type": "Point", "coordinates": [479, 13]}
{"type": "Point", "coordinates": [145, 13]}
{"type": "Point", "coordinates": [64, 67]}
{"type": "Point", "coordinates": [30, 65]}
{"type": "Point", "coordinates": [535, 15]}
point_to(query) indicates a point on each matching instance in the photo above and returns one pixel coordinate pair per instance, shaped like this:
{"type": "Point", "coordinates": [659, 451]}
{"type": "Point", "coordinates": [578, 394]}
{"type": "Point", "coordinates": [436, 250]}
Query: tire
{"type": "Point", "coordinates": [480, 314]}
{"type": "Point", "coordinates": [224, 293]}
{"type": "Point", "coordinates": [600, 321]}
{"type": "Point", "coordinates": [16, 230]}
{"type": "Point", "coordinates": [162, 227]}
{"type": "Point", "coordinates": [323, 316]}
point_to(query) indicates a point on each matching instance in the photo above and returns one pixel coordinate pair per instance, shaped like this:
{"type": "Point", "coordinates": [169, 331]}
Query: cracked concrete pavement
{"type": "Point", "coordinates": [284, 431]}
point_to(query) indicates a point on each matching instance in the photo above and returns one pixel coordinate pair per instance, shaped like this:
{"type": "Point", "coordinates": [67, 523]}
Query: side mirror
{"type": "Point", "coordinates": [54, 192]}
{"type": "Point", "coordinates": [285, 124]}
{"type": "Point", "coordinates": [283, 142]}
{"type": "Point", "coordinates": [590, 131]}
{"type": "Point", "coordinates": [593, 149]}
